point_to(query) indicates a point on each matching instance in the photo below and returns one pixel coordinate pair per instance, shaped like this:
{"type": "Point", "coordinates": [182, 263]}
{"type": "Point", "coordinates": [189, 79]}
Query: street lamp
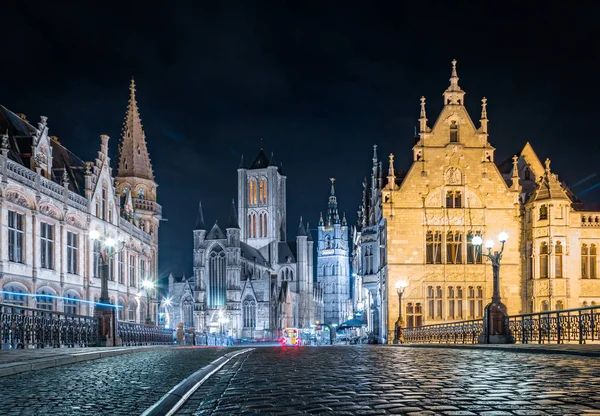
{"type": "Point", "coordinates": [223, 320]}
{"type": "Point", "coordinates": [495, 313]}
{"type": "Point", "coordinates": [401, 286]}
{"type": "Point", "coordinates": [104, 311]}
{"type": "Point", "coordinates": [148, 285]}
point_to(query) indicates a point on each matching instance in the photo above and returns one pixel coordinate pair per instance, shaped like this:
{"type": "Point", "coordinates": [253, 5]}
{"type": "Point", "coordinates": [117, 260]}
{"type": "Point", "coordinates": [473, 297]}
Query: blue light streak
{"type": "Point", "coordinates": [60, 297]}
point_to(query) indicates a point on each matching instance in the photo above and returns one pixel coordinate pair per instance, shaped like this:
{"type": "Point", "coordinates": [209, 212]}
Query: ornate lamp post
{"type": "Point", "coordinates": [148, 285]}
{"type": "Point", "coordinates": [400, 288]}
{"type": "Point", "coordinates": [104, 311]}
{"type": "Point", "coordinates": [495, 313]}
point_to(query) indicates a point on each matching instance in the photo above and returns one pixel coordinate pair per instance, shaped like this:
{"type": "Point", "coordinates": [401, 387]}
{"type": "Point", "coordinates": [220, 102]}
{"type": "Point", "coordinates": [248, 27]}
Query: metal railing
{"type": "Point", "coordinates": [22, 327]}
{"type": "Point", "coordinates": [462, 332]}
{"type": "Point", "coordinates": [132, 334]}
{"type": "Point", "coordinates": [553, 327]}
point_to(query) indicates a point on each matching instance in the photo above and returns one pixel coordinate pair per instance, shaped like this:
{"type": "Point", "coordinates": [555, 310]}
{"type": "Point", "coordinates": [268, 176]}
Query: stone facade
{"type": "Point", "coordinates": [50, 200]}
{"type": "Point", "coordinates": [249, 282]}
{"type": "Point", "coordinates": [453, 191]}
{"type": "Point", "coordinates": [333, 264]}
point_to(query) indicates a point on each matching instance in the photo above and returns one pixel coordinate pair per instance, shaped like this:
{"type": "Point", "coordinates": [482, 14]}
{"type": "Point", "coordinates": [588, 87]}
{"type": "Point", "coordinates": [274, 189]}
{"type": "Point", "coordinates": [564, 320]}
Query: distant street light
{"type": "Point", "coordinates": [148, 285]}
{"type": "Point", "coordinates": [401, 286]}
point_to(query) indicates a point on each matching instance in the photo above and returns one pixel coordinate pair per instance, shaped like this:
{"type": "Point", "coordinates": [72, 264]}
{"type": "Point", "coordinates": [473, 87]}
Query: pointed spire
{"type": "Point", "coordinates": [332, 212]}
{"type": "Point", "coordinates": [242, 165]}
{"type": "Point", "coordinates": [484, 119]}
{"type": "Point", "coordinates": [233, 217]}
{"type": "Point", "coordinates": [134, 159]}
{"type": "Point", "coordinates": [453, 94]}
{"type": "Point", "coordinates": [308, 233]}
{"type": "Point", "coordinates": [332, 187]}
{"type": "Point", "coordinates": [391, 173]}
{"type": "Point", "coordinates": [515, 173]}
{"type": "Point", "coordinates": [422, 118]}
{"type": "Point", "coordinates": [272, 161]}
{"type": "Point", "coordinates": [321, 221]}
{"type": "Point", "coordinates": [344, 222]}
{"type": "Point", "coordinates": [301, 231]}
{"type": "Point", "coordinates": [200, 219]}
{"type": "Point", "coordinates": [547, 166]}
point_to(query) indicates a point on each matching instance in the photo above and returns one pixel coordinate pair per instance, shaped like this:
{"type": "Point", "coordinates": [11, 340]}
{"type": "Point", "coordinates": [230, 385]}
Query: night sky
{"type": "Point", "coordinates": [320, 84]}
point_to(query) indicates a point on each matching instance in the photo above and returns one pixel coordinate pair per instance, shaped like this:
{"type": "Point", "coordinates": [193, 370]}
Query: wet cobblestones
{"type": "Point", "coordinates": [373, 380]}
{"type": "Point", "coordinates": [123, 385]}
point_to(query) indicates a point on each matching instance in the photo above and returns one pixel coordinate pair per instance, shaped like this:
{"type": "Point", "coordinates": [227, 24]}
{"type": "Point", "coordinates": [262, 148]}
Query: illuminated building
{"type": "Point", "coordinates": [250, 274]}
{"type": "Point", "coordinates": [333, 263]}
{"type": "Point", "coordinates": [52, 200]}
{"type": "Point", "coordinates": [453, 191]}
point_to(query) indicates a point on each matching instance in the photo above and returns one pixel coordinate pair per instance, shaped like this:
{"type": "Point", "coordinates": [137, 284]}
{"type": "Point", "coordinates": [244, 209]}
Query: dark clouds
{"type": "Point", "coordinates": [320, 82]}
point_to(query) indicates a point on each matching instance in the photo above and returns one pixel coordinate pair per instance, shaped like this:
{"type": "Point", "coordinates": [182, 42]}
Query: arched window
{"type": "Point", "coordinates": [473, 253]}
{"type": "Point", "coordinates": [585, 261]}
{"type": "Point", "coordinates": [252, 191]}
{"type": "Point", "coordinates": [558, 260]}
{"type": "Point", "coordinates": [131, 311]}
{"type": "Point", "coordinates": [262, 197]}
{"type": "Point", "coordinates": [454, 247]}
{"type": "Point", "coordinates": [252, 226]}
{"type": "Point", "coordinates": [544, 261]}
{"type": "Point", "coordinates": [593, 273]}
{"type": "Point", "coordinates": [71, 303]}
{"type": "Point", "coordinates": [44, 300]}
{"type": "Point", "coordinates": [141, 194]}
{"type": "Point", "coordinates": [188, 314]}
{"type": "Point", "coordinates": [104, 197]}
{"type": "Point", "coordinates": [291, 275]}
{"type": "Point", "coordinates": [559, 305]}
{"type": "Point", "coordinates": [15, 295]}
{"type": "Point", "coordinates": [545, 306]}
{"type": "Point", "coordinates": [265, 234]}
{"type": "Point", "coordinates": [217, 278]}
{"type": "Point", "coordinates": [142, 312]}
{"type": "Point", "coordinates": [249, 312]}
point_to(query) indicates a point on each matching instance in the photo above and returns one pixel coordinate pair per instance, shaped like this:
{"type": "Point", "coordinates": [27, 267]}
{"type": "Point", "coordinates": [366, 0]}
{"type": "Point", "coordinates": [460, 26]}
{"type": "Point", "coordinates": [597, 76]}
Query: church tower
{"type": "Point", "coordinates": [333, 267]}
{"type": "Point", "coordinates": [262, 205]}
{"type": "Point", "coordinates": [135, 178]}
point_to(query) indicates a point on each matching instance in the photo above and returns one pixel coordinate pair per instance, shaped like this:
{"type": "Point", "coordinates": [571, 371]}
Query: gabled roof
{"type": "Point", "coordinates": [261, 161]}
{"type": "Point", "coordinates": [286, 249]}
{"type": "Point", "coordinates": [548, 187]}
{"type": "Point", "coordinates": [250, 253]}
{"type": "Point", "coordinates": [216, 233]}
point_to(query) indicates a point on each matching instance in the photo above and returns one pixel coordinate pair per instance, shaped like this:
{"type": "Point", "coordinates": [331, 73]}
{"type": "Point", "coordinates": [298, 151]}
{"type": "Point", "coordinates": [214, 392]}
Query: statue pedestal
{"type": "Point", "coordinates": [495, 330]}
{"type": "Point", "coordinates": [107, 327]}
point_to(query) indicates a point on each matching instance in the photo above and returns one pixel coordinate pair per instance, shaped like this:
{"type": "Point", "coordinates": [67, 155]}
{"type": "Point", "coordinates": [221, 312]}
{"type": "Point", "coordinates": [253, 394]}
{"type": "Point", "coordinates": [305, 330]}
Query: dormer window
{"type": "Point", "coordinates": [454, 132]}
{"type": "Point", "coordinates": [527, 174]}
{"type": "Point", "coordinates": [543, 212]}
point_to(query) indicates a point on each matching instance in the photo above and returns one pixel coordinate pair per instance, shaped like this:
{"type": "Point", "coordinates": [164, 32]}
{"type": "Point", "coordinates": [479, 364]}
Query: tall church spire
{"type": "Point", "coordinates": [453, 94]}
{"type": "Point", "coordinates": [233, 216]}
{"type": "Point", "coordinates": [134, 159]}
{"type": "Point", "coordinates": [332, 212]}
{"type": "Point", "coordinates": [200, 220]}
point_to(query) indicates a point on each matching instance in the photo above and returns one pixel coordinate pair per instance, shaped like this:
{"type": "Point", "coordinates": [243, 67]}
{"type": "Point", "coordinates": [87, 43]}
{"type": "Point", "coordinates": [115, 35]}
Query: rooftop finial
{"type": "Point", "coordinates": [332, 187]}
{"type": "Point", "coordinates": [65, 178]}
{"type": "Point", "coordinates": [484, 119]}
{"type": "Point", "coordinates": [453, 94]}
{"type": "Point", "coordinates": [423, 117]}
{"type": "Point", "coordinates": [391, 171]}
{"type": "Point", "coordinates": [5, 140]}
{"type": "Point", "coordinates": [515, 172]}
{"type": "Point", "coordinates": [374, 153]}
{"type": "Point", "coordinates": [547, 165]}
{"type": "Point", "coordinates": [261, 143]}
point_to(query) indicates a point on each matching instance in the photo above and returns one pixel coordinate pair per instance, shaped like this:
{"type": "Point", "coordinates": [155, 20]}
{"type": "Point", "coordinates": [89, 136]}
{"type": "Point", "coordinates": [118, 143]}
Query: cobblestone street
{"type": "Point", "coordinates": [386, 380]}
{"type": "Point", "coordinates": [123, 385]}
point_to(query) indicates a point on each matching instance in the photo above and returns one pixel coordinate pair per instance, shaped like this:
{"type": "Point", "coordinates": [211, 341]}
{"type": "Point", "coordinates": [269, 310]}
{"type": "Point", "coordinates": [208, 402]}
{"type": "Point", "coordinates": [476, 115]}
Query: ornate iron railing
{"type": "Point", "coordinates": [132, 334]}
{"type": "Point", "coordinates": [554, 327]}
{"type": "Point", "coordinates": [22, 327]}
{"type": "Point", "coordinates": [462, 332]}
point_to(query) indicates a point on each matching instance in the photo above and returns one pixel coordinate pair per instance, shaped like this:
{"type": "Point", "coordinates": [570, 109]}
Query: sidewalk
{"type": "Point", "coordinates": [584, 350]}
{"type": "Point", "coordinates": [19, 361]}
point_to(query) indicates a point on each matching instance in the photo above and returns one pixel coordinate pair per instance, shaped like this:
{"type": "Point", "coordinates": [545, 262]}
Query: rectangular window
{"type": "Point", "coordinates": [430, 302]}
{"type": "Point", "coordinates": [15, 237]}
{"type": "Point", "coordinates": [451, 303]}
{"type": "Point", "coordinates": [454, 248]}
{"type": "Point", "coordinates": [438, 302]}
{"type": "Point", "coordinates": [120, 268]}
{"type": "Point", "coordinates": [103, 203]}
{"type": "Point", "coordinates": [72, 252]}
{"type": "Point", "coordinates": [459, 302]}
{"type": "Point", "coordinates": [132, 270]}
{"type": "Point", "coordinates": [473, 253]}
{"type": "Point", "coordinates": [479, 302]}
{"type": "Point", "coordinates": [96, 254]}
{"type": "Point", "coordinates": [142, 270]}
{"type": "Point", "coordinates": [585, 257]}
{"type": "Point", "coordinates": [47, 245]}
{"type": "Point", "coordinates": [544, 261]}
{"type": "Point", "coordinates": [471, 302]}
{"type": "Point", "coordinates": [453, 199]}
{"type": "Point", "coordinates": [111, 268]}
{"type": "Point", "coordinates": [433, 253]}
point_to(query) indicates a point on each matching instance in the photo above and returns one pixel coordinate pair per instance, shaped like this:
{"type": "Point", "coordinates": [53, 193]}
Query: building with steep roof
{"type": "Point", "coordinates": [333, 263]}
{"type": "Point", "coordinates": [453, 191]}
{"type": "Point", "coordinates": [50, 202]}
{"type": "Point", "coordinates": [249, 281]}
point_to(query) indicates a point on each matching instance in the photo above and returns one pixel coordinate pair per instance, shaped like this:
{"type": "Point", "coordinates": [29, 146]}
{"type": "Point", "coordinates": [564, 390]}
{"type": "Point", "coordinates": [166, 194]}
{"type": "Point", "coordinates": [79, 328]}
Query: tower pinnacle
{"type": "Point", "coordinates": [484, 119]}
{"type": "Point", "coordinates": [134, 159]}
{"type": "Point", "coordinates": [453, 94]}
{"type": "Point", "coordinates": [422, 117]}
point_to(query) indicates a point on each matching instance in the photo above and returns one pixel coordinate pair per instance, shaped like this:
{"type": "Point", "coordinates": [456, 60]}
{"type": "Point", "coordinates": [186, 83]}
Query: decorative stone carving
{"type": "Point", "coordinates": [453, 176]}
{"type": "Point", "coordinates": [473, 200]}
{"type": "Point", "coordinates": [434, 200]}
{"type": "Point", "coordinates": [18, 199]}
{"type": "Point", "coordinates": [50, 211]}
{"type": "Point", "coordinates": [75, 221]}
